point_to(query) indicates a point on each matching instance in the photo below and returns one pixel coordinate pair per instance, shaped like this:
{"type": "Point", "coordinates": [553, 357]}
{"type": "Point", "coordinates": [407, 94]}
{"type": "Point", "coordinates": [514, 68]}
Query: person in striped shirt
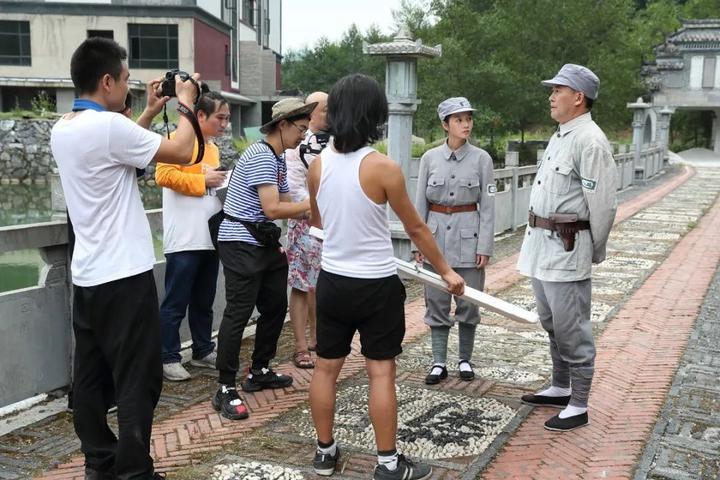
{"type": "Point", "coordinates": [254, 263]}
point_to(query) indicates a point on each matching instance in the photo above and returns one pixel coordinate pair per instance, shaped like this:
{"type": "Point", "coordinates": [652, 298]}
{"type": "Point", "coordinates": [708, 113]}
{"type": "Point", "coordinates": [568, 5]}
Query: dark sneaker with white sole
{"type": "Point", "coordinates": [265, 378]}
{"type": "Point", "coordinates": [227, 401]}
{"type": "Point", "coordinates": [324, 463]}
{"type": "Point", "coordinates": [545, 401]}
{"type": "Point", "coordinates": [557, 424]}
{"type": "Point", "coordinates": [406, 470]}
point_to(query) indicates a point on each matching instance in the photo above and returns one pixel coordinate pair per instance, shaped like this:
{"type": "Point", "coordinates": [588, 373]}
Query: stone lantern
{"type": "Point", "coordinates": [401, 56]}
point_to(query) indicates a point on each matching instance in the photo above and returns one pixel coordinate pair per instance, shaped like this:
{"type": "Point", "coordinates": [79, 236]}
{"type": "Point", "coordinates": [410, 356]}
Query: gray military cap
{"type": "Point", "coordinates": [577, 77]}
{"type": "Point", "coordinates": [453, 105]}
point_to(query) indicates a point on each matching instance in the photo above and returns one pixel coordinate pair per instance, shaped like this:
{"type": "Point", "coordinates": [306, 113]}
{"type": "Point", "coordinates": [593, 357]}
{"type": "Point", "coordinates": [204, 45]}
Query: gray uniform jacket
{"type": "Point", "coordinates": [463, 179]}
{"type": "Point", "coordinates": [576, 175]}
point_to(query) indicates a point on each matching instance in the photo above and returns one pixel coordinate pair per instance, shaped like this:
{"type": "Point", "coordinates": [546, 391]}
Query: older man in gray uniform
{"type": "Point", "coordinates": [572, 208]}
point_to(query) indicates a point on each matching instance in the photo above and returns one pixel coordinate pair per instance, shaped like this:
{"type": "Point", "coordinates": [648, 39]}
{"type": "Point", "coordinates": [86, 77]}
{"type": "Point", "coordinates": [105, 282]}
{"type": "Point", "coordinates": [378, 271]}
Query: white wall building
{"type": "Point", "coordinates": [234, 44]}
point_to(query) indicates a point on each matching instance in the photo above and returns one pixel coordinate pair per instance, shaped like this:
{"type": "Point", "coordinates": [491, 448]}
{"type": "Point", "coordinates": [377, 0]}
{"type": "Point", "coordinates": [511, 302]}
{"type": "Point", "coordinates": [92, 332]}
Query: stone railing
{"type": "Point", "coordinates": [35, 325]}
{"type": "Point", "coordinates": [35, 338]}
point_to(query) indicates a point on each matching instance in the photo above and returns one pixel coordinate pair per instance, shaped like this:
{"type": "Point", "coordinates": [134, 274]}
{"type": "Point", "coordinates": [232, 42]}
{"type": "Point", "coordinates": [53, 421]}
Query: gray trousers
{"type": "Point", "coordinates": [564, 311]}
{"type": "Point", "coordinates": [437, 302]}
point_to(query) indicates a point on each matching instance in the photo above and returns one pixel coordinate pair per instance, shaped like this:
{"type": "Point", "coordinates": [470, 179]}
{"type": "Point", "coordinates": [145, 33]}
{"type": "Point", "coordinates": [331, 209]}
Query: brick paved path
{"type": "Point", "coordinates": [638, 354]}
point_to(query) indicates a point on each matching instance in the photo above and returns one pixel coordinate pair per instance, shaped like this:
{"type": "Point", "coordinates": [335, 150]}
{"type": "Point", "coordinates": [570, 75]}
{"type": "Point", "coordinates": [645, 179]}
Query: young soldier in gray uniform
{"type": "Point", "coordinates": [572, 208]}
{"type": "Point", "coordinates": [456, 198]}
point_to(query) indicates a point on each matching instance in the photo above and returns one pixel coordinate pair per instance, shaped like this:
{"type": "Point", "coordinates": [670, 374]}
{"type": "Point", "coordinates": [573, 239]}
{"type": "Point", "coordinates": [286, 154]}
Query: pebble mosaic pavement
{"type": "Point", "coordinates": [458, 427]}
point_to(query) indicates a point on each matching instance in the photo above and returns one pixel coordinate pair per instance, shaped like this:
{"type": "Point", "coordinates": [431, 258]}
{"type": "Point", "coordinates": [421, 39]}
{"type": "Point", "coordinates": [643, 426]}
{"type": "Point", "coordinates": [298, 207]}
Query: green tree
{"type": "Point", "coordinates": [496, 52]}
{"type": "Point", "coordinates": [319, 67]}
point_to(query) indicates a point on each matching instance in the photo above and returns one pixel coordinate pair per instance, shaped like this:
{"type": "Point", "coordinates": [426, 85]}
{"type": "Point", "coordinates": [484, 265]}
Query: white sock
{"type": "Point", "coordinates": [390, 461]}
{"type": "Point", "coordinates": [571, 411]}
{"type": "Point", "coordinates": [328, 450]}
{"type": "Point", "coordinates": [437, 369]}
{"type": "Point", "coordinates": [555, 392]}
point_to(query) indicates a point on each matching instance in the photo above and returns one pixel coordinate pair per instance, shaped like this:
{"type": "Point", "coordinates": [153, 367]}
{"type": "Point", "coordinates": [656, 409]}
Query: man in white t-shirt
{"type": "Point", "coordinates": [115, 311]}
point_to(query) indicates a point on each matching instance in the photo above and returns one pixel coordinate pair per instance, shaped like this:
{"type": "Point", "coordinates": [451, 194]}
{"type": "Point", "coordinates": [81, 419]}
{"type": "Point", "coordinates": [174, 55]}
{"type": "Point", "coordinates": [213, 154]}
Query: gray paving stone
{"type": "Point", "coordinates": [685, 443]}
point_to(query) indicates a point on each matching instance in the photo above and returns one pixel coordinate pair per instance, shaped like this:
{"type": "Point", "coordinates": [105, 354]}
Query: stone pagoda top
{"type": "Point", "coordinates": [402, 46]}
{"type": "Point", "coordinates": [693, 36]}
{"type": "Point", "coordinates": [672, 56]}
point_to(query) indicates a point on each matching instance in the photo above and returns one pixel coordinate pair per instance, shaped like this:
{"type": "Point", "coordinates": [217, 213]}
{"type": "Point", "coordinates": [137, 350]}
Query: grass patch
{"type": "Point", "coordinates": [241, 144]}
{"type": "Point", "coordinates": [18, 114]}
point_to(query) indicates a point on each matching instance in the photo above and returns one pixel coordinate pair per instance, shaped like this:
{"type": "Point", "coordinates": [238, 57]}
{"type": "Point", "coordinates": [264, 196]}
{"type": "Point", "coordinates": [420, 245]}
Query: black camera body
{"type": "Point", "coordinates": [168, 84]}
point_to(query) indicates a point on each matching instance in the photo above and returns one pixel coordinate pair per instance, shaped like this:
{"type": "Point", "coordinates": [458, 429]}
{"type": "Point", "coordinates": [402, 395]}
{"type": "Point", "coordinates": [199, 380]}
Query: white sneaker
{"type": "Point", "coordinates": [208, 361]}
{"type": "Point", "coordinates": [175, 372]}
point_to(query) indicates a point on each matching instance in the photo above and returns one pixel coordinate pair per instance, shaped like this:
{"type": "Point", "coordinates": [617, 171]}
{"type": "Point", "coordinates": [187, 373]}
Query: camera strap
{"type": "Point", "coordinates": [192, 118]}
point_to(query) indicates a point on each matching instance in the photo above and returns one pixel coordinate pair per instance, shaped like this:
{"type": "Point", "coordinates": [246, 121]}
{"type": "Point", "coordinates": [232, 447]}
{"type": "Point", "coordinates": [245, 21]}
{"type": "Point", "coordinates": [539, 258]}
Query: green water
{"type": "Point", "coordinates": [25, 204]}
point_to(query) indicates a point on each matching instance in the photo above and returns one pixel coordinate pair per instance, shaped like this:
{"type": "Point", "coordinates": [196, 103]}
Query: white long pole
{"type": "Point", "coordinates": [481, 299]}
{"type": "Point", "coordinates": [472, 295]}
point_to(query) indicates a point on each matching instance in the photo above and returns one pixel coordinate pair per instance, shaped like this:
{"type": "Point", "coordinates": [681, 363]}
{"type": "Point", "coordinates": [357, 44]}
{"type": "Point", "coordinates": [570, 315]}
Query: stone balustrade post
{"type": "Point", "coordinates": [57, 197]}
{"type": "Point", "coordinates": [663, 132]}
{"type": "Point", "coordinates": [512, 159]}
{"type": "Point", "coordinates": [639, 113]}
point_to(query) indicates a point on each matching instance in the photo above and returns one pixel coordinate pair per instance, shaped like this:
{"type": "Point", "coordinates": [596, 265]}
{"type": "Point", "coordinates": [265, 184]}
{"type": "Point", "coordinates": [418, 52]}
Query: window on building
{"type": "Point", "coordinates": [248, 12]}
{"type": "Point", "coordinates": [153, 46]}
{"type": "Point", "coordinates": [708, 80]}
{"type": "Point", "coordinates": [101, 33]}
{"type": "Point", "coordinates": [14, 42]}
{"type": "Point", "coordinates": [266, 30]}
{"type": "Point", "coordinates": [696, 72]}
{"type": "Point", "coordinates": [230, 16]}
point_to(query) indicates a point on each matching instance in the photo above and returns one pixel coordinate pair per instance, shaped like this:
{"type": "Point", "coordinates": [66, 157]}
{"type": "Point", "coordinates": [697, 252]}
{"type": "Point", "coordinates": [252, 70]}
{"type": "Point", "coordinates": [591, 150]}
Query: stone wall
{"type": "Point", "coordinates": [25, 151]}
{"type": "Point", "coordinates": [25, 155]}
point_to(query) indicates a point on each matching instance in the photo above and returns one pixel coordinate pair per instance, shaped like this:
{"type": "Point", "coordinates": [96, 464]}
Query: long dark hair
{"type": "Point", "coordinates": [357, 109]}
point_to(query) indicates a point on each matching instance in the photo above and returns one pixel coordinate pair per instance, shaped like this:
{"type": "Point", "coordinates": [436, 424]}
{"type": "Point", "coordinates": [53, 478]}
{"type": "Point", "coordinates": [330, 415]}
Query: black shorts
{"type": "Point", "coordinates": [373, 307]}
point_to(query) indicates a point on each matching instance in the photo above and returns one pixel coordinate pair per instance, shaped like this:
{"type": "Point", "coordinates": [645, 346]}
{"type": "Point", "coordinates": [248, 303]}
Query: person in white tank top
{"type": "Point", "coordinates": [358, 289]}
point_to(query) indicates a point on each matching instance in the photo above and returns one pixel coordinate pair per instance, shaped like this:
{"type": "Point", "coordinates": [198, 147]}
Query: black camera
{"type": "Point", "coordinates": [168, 84]}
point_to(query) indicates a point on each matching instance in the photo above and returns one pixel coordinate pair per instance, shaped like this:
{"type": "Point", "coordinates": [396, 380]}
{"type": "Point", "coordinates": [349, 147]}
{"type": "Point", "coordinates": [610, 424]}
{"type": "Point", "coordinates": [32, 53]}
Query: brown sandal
{"type": "Point", "coordinates": [303, 360]}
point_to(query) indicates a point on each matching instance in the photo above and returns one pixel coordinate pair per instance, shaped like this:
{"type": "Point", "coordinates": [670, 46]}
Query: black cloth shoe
{"type": "Point", "coordinates": [265, 378]}
{"type": "Point", "coordinates": [545, 401]}
{"type": "Point", "coordinates": [434, 379]}
{"type": "Point", "coordinates": [324, 463]}
{"type": "Point", "coordinates": [558, 424]}
{"type": "Point", "coordinates": [466, 375]}
{"type": "Point", "coordinates": [227, 401]}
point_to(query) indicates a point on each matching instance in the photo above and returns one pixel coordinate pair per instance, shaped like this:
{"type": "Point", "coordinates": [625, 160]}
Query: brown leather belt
{"type": "Point", "coordinates": [566, 225]}
{"type": "Point", "coordinates": [552, 225]}
{"type": "Point", "coordinates": [447, 209]}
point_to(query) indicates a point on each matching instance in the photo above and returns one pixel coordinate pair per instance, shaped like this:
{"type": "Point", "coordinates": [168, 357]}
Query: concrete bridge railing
{"type": "Point", "coordinates": [35, 325]}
